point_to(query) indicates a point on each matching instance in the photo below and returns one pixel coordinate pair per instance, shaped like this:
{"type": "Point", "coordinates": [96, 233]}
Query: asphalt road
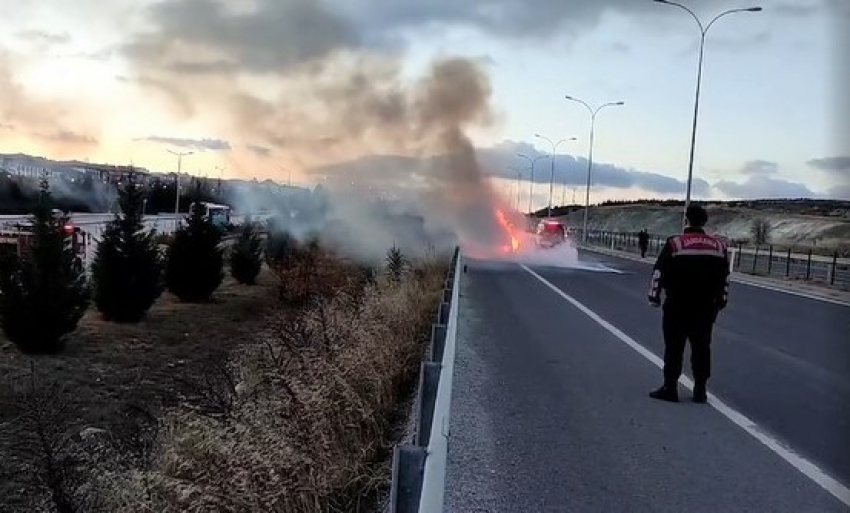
{"type": "Point", "coordinates": [550, 410]}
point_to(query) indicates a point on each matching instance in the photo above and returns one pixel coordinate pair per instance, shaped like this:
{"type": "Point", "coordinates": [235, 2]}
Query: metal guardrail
{"type": "Point", "coordinates": [758, 260]}
{"type": "Point", "coordinates": [419, 468]}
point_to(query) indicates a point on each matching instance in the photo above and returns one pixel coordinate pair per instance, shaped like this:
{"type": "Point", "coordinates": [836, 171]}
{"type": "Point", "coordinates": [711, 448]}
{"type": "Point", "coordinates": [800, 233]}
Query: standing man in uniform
{"type": "Point", "coordinates": [643, 242]}
{"type": "Point", "coordinates": [693, 271]}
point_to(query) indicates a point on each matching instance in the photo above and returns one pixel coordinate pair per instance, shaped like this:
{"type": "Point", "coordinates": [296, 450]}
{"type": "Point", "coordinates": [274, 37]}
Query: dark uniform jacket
{"type": "Point", "coordinates": [693, 271]}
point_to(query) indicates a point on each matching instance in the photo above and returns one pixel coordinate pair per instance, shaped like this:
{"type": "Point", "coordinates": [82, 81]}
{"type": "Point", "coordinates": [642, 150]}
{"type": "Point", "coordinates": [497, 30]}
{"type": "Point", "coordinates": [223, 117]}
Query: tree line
{"type": "Point", "coordinates": [44, 292]}
{"type": "Point", "coordinates": [20, 195]}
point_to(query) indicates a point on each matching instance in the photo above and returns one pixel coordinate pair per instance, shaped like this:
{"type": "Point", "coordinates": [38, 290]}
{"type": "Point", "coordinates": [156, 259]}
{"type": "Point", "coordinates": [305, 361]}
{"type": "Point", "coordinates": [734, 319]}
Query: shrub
{"type": "Point", "coordinates": [246, 255]}
{"type": "Point", "coordinates": [44, 294]}
{"type": "Point", "coordinates": [281, 248]}
{"type": "Point", "coordinates": [760, 230]}
{"type": "Point", "coordinates": [127, 269]}
{"type": "Point", "coordinates": [194, 269]}
{"type": "Point", "coordinates": [396, 264]}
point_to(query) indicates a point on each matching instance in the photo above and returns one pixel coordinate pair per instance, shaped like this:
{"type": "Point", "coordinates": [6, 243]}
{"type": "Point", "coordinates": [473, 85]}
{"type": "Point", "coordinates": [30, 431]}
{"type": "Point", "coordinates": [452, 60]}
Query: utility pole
{"type": "Point", "coordinates": [177, 178]}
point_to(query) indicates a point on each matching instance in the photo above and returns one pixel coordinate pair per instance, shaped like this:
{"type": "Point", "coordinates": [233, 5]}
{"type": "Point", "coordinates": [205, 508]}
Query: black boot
{"type": "Point", "coordinates": [700, 394]}
{"type": "Point", "coordinates": [666, 393]}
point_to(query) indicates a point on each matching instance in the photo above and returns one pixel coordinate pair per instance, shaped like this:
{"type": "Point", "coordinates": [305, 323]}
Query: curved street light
{"type": "Point", "coordinates": [552, 162]}
{"type": "Point", "coordinates": [531, 161]}
{"type": "Point", "coordinates": [177, 177]}
{"type": "Point", "coordinates": [518, 173]}
{"type": "Point", "coordinates": [593, 113]}
{"type": "Point", "coordinates": [703, 31]}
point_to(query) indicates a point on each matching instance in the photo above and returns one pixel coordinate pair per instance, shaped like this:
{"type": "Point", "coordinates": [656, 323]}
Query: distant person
{"type": "Point", "coordinates": [643, 242]}
{"type": "Point", "coordinates": [693, 271]}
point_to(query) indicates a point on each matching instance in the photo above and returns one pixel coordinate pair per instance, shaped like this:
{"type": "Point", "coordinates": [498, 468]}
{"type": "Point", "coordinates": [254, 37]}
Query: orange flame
{"type": "Point", "coordinates": [509, 230]}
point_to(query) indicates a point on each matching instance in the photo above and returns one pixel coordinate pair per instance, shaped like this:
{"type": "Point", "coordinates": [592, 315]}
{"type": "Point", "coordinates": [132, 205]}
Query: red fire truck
{"type": "Point", "coordinates": [19, 241]}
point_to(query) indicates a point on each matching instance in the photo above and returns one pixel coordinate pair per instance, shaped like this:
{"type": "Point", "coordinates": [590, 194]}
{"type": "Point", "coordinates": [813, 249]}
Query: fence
{"type": "Point", "coordinates": [419, 468]}
{"type": "Point", "coordinates": [767, 260]}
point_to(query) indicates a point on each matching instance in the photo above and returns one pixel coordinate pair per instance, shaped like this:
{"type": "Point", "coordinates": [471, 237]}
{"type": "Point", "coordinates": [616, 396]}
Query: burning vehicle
{"type": "Point", "coordinates": [550, 233]}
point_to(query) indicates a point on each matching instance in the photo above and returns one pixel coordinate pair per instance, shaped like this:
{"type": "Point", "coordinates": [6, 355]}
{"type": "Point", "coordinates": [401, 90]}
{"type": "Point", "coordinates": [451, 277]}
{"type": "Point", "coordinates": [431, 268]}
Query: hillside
{"type": "Point", "coordinates": [730, 220]}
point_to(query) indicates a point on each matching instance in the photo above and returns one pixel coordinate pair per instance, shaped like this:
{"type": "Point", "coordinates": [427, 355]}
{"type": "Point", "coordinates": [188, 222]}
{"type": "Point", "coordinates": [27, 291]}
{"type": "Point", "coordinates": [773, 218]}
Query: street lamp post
{"type": "Point", "coordinates": [552, 162]}
{"type": "Point", "coordinates": [220, 170]}
{"type": "Point", "coordinates": [593, 113]}
{"type": "Point", "coordinates": [518, 173]}
{"type": "Point", "coordinates": [531, 161]}
{"type": "Point", "coordinates": [703, 31]}
{"type": "Point", "coordinates": [177, 177]}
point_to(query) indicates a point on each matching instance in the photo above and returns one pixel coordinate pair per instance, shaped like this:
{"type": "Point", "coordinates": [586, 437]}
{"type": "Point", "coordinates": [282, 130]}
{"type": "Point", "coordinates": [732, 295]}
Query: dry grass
{"type": "Point", "coordinates": [112, 378]}
{"type": "Point", "coordinates": [299, 416]}
{"type": "Point", "coordinates": [312, 421]}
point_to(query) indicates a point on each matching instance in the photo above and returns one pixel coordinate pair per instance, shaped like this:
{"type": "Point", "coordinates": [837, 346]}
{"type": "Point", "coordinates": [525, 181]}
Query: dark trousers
{"type": "Point", "coordinates": [679, 327]}
{"type": "Point", "coordinates": [643, 250]}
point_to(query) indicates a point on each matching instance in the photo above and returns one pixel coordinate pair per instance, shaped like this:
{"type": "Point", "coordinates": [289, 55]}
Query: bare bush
{"type": "Point", "coordinates": [760, 231]}
{"type": "Point", "coordinates": [41, 433]}
{"type": "Point", "coordinates": [212, 389]}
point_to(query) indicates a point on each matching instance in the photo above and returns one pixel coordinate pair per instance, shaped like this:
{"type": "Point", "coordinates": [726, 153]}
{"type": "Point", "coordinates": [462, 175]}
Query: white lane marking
{"type": "Point", "coordinates": [803, 465]}
{"type": "Point", "coordinates": [737, 278]}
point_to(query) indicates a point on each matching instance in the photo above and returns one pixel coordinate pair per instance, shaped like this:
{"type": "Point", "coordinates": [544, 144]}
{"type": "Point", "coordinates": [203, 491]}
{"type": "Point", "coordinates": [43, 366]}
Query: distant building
{"type": "Point", "coordinates": [36, 167]}
{"type": "Point", "coordinates": [30, 167]}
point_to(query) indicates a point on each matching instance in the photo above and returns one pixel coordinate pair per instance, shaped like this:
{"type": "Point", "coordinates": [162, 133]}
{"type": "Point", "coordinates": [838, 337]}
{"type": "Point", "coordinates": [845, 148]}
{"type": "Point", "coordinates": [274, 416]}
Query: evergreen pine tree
{"type": "Point", "coordinates": [246, 256]}
{"type": "Point", "coordinates": [281, 248]}
{"type": "Point", "coordinates": [127, 269]}
{"type": "Point", "coordinates": [194, 269]}
{"type": "Point", "coordinates": [44, 293]}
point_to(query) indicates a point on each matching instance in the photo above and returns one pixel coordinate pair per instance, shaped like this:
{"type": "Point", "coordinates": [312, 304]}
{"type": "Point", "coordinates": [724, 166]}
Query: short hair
{"type": "Point", "coordinates": [696, 216]}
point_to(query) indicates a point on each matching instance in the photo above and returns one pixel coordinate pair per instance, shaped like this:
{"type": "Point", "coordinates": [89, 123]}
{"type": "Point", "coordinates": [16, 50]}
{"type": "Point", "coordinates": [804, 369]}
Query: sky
{"type": "Point", "coordinates": [280, 88]}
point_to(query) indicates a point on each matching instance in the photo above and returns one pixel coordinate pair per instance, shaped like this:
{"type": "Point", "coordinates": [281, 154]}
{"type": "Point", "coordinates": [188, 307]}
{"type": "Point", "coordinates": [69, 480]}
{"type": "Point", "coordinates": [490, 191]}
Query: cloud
{"type": "Point", "coordinates": [44, 39]}
{"type": "Point", "coordinates": [572, 170]}
{"type": "Point", "coordinates": [760, 167]}
{"type": "Point", "coordinates": [839, 164]}
{"type": "Point", "coordinates": [763, 186]}
{"type": "Point", "coordinates": [400, 171]}
{"type": "Point", "coordinates": [503, 18]}
{"type": "Point", "coordinates": [202, 36]}
{"type": "Point", "coordinates": [68, 137]}
{"type": "Point", "coordinates": [260, 151]}
{"type": "Point", "coordinates": [102, 54]}
{"type": "Point", "coordinates": [804, 8]}
{"type": "Point", "coordinates": [198, 144]}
